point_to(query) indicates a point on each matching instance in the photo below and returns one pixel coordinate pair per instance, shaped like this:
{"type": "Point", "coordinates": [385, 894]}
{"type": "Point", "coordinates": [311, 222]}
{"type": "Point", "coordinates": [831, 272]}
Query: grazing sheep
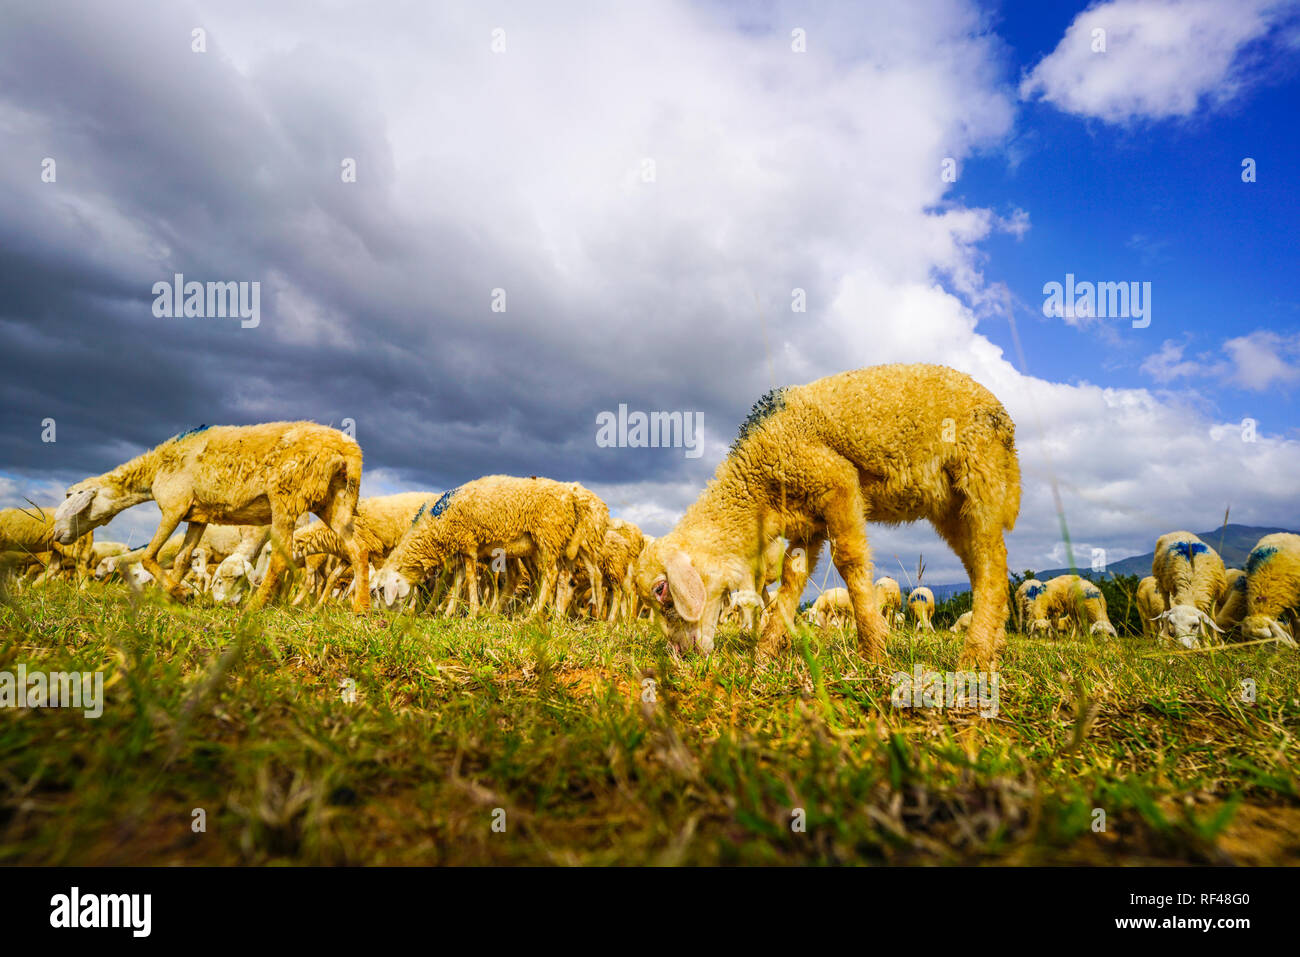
{"type": "Point", "coordinates": [962, 624]}
{"type": "Point", "coordinates": [1150, 605]}
{"type": "Point", "coordinates": [920, 602]}
{"type": "Point", "coordinates": [230, 475]}
{"type": "Point", "coordinates": [31, 532]}
{"type": "Point", "coordinates": [591, 520]}
{"type": "Point", "coordinates": [623, 543]}
{"type": "Point", "coordinates": [1273, 588]}
{"type": "Point", "coordinates": [118, 563]}
{"type": "Point", "coordinates": [832, 606]}
{"type": "Point", "coordinates": [1068, 600]}
{"type": "Point", "coordinates": [1191, 578]}
{"type": "Point", "coordinates": [889, 598]}
{"type": "Point", "coordinates": [1029, 589]}
{"type": "Point", "coordinates": [233, 578]}
{"type": "Point", "coordinates": [743, 607]}
{"type": "Point", "coordinates": [536, 519]}
{"type": "Point", "coordinates": [378, 525]}
{"type": "Point", "coordinates": [887, 444]}
{"type": "Point", "coordinates": [1232, 609]}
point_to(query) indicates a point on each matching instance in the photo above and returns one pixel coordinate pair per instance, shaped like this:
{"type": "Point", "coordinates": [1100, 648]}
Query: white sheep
{"type": "Point", "coordinates": [537, 519]}
{"type": "Point", "coordinates": [229, 475]}
{"type": "Point", "coordinates": [1066, 601]}
{"type": "Point", "coordinates": [920, 602]}
{"type": "Point", "coordinates": [1273, 589]}
{"type": "Point", "coordinates": [962, 624]}
{"type": "Point", "coordinates": [893, 443]}
{"type": "Point", "coordinates": [1192, 579]}
{"type": "Point", "coordinates": [1232, 609]}
{"type": "Point", "coordinates": [833, 607]}
{"type": "Point", "coordinates": [1029, 589]}
{"type": "Point", "coordinates": [1150, 605]}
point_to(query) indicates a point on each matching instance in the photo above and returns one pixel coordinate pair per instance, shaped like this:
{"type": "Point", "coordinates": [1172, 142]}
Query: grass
{"type": "Point", "coordinates": [458, 724]}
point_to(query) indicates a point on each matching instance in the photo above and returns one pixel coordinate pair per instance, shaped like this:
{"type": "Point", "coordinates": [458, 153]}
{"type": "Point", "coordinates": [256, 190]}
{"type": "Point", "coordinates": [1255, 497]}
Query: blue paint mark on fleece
{"type": "Point", "coordinates": [773, 401]}
{"type": "Point", "coordinates": [1033, 591]}
{"type": "Point", "coordinates": [440, 506]}
{"type": "Point", "coordinates": [189, 432]}
{"type": "Point", "coordinates": [1239, 584]}
{"type": "Point", "coordinates": [1258, 557]}
{"type": "Point", "coordinates": [1189, 550]}
{"type": "Point", "coordinates": [915, 597]}
{"type": "Point", "coordinates": [1091, 593]}
{"type": "Point", "coordinates": [435, 508]}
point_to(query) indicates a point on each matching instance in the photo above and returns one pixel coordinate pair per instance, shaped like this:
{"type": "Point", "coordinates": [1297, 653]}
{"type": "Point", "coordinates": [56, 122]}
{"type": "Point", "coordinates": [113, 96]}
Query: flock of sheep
{"type": "Point", "coordinates": [812, 464]}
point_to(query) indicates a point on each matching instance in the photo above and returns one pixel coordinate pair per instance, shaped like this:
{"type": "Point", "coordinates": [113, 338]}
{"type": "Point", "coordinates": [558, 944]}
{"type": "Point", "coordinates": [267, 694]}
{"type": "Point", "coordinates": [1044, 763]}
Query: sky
{"type": "Point", "coordinates": [561, 209]}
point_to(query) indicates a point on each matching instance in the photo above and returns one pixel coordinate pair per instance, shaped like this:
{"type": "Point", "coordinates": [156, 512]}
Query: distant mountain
{"type": "Point", "coordinates": [1232, 542]}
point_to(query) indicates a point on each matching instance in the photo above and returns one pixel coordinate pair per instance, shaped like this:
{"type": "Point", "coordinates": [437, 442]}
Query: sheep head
{"type": "Point", "coordinates": [684, 591]}
{"type": "Point", "coordinates": [1103, 628]}
{"type": "Point", "coordinates": [1187, 624]}
{"type": "Point", "coordinates": [88, 505]}
{"type": "Point", "coordinates": [1263, 627]}
{"type": "Point", "coordinates": [390, 586]}
{"type": "Point", "coordinates": [232, 579]}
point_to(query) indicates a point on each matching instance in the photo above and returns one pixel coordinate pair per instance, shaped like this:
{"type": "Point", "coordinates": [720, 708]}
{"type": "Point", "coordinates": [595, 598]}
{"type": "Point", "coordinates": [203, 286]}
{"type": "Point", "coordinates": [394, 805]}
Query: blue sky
{"type": "Point", "coordinates": [1151, 199]}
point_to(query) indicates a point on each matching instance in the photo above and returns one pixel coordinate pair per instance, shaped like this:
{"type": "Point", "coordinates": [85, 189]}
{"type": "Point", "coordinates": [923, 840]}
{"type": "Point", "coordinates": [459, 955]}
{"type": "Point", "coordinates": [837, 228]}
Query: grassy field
{"type": "Point", "coordinates": [253, 721]}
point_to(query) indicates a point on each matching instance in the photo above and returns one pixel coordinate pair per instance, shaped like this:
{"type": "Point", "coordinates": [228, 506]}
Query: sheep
{"type": "Point", "coordinates": [832, 606]}
{"type": "Point", "coordinates": [231, 475]}
{"type": "Point", "coordinates": [118, 563]}
{"type": "Point", "coordinates": [31, 532]}
{"type": "Point", "coordinates": [1150, 605]}
{"type": "Point", "coordinates": [962, 624]}
{"type": "Point", "coordinates": [623, 543]}
{"type": "Point", "coordinates": [920, 602]}
{"type": "Point", "coordinates": [1273, 588]}
{"type": "Point", "coordinates": [1029, 589]}
{"type": "Point", "coordinates": [244, 568]}
{"type": "Point", "coordinates": [533, 518]}
{"type": "Point", "coordinates": [889, 598]}
{"type": "Point", "coordinates": [1069, 600]}
{"type": "Point", "coordinates": [378, 525]}
{"type": "Point", "coordinates": [591, 520]}
{"type": "Point", "coordinates": [1191, 579]}
{"type": "Point", "coordinates": [1233, 606]}
{"type": "Point", "coordinates": [891, 444]}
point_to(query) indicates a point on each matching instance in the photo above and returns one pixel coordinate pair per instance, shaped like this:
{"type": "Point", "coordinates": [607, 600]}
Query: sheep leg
{"type": "Point", "coordinates": [984, 554]}
{"type": "Point", "coordinates": [471, 579]}
{"type": "Point", "coordinates": [281, 537]}
{"type": "Point", "coordinates": [453, 593]}
{"type": "Point", "coordinates": [794, 575]}
{"type": "Point", "coordinates": [550, 572]}
{"type": "Point", "coordinates": [332, 580]}
{"type": "Point", "coordinates": [181, 563]}
{"type": "Point", "coordinates": [149, 559]}
{"type": "Point", "coordinates": [852, 557]}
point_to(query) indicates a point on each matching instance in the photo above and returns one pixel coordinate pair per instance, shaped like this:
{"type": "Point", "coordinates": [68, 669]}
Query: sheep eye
{"type": "Point", "coordinates": [661, 591]}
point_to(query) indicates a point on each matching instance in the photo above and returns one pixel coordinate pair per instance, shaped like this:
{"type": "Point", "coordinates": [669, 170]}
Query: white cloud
{"type": "Point", "coordinates": [1162, 58]}
{"type": "Point", "coordinates": [774, 170]}
{"type": "Point", "coordinates": [1257, 362]}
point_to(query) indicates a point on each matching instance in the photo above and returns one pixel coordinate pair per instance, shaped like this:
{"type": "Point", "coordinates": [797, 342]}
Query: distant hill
{"type": "Point", "coordinates": [1237, 541]}
{"type": "Point", "coordinates": [1232, 542]}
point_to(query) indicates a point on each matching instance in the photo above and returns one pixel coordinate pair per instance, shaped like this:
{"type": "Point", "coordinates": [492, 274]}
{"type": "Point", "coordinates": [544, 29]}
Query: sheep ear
{"type": "Point", "coordinates": [1210, 621]}
{"type": "Point", "coordinates": [74, 504]}
{"type": "Point", "coordinates": [686, 585]}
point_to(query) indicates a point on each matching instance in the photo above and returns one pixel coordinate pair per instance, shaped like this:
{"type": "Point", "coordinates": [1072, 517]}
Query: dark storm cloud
{"type": "Point", "coordinates": [227, 177]}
